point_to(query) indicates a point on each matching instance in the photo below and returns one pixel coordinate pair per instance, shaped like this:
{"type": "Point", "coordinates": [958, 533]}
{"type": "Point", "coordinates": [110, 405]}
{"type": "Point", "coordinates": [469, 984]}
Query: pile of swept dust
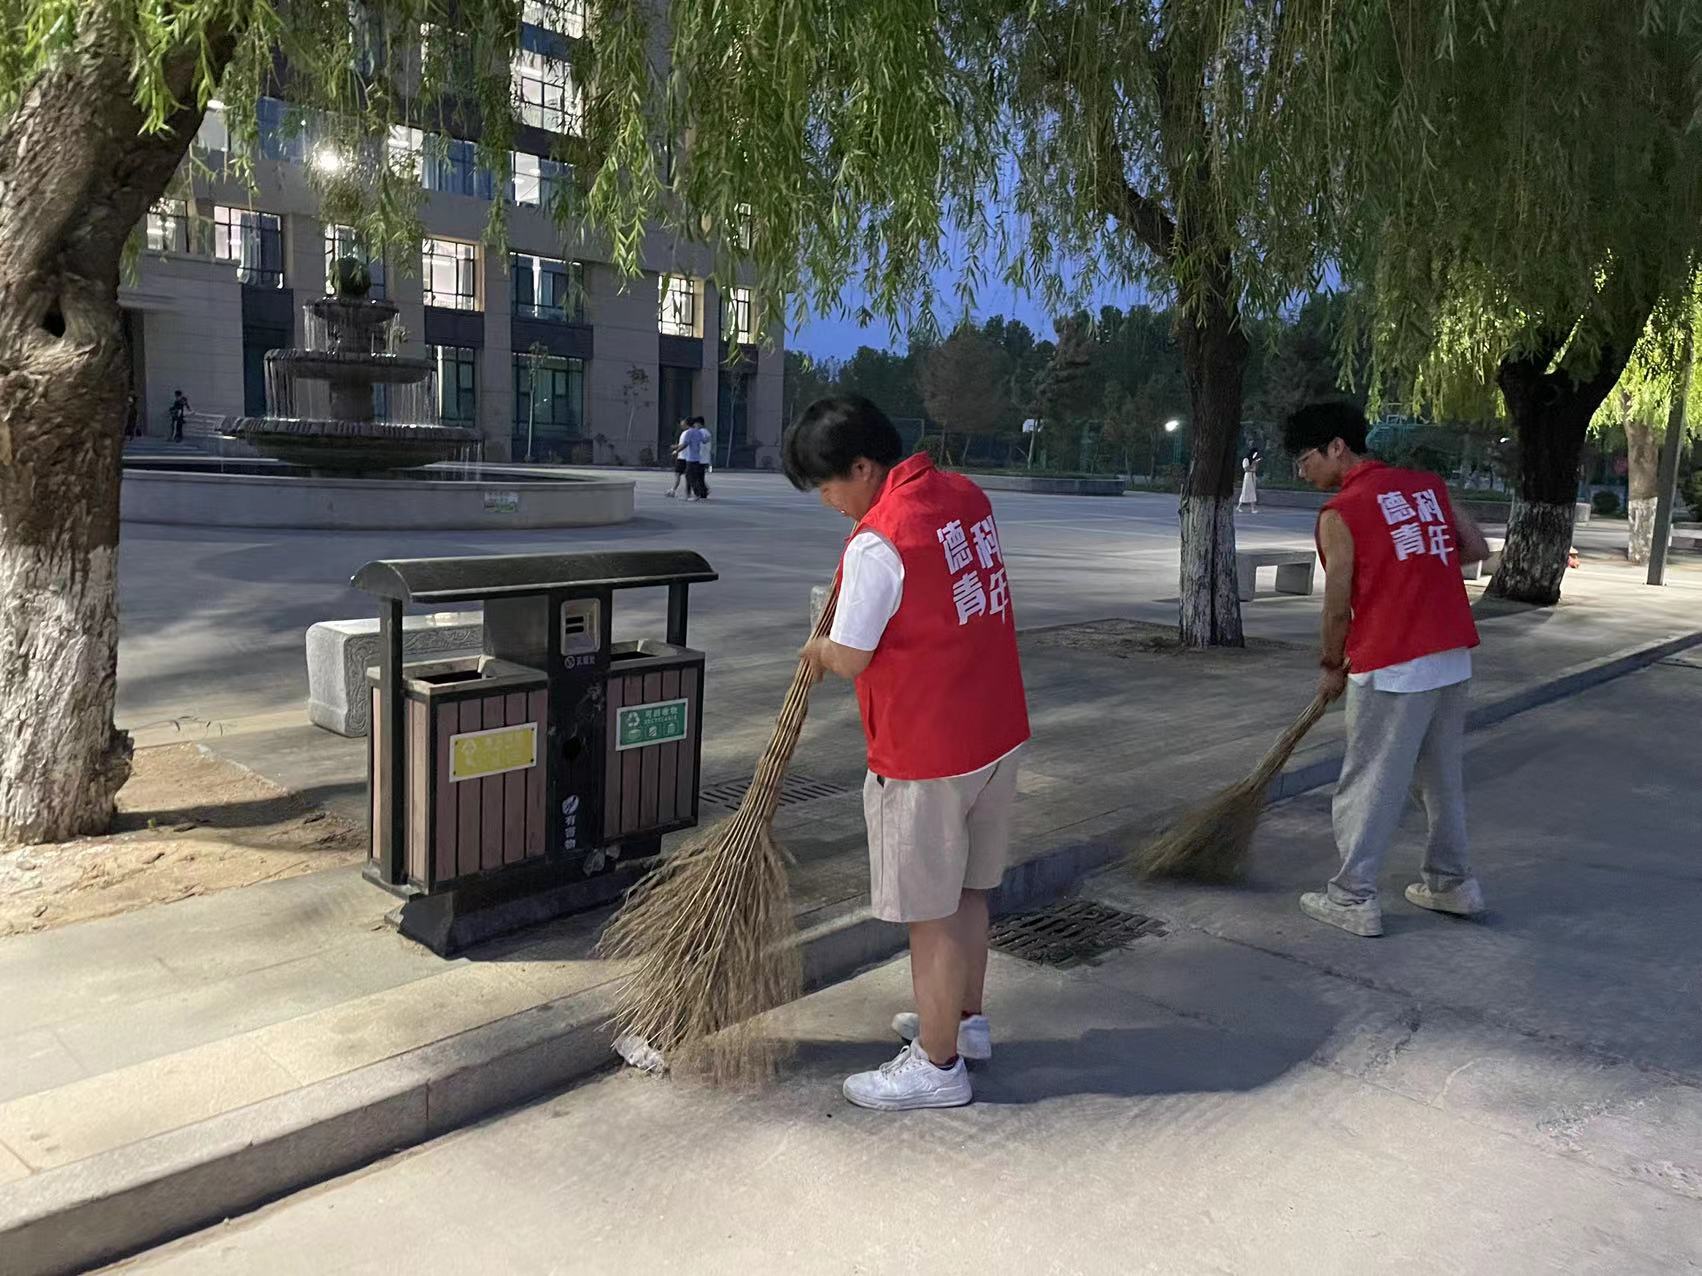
{"type": "Point", "coordinates": [188, 824]}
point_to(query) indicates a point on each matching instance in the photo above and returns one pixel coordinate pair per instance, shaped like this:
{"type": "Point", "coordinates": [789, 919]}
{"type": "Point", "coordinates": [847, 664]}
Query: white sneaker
{"type": "Point", "coordinates": [1364, 918]}
{"type": "Point", "coordinates": [910, 1080]}
{"type": "Point", "coordinates": [1464, 900]}
{"type": "Point", "coordinates": [974, 1034]}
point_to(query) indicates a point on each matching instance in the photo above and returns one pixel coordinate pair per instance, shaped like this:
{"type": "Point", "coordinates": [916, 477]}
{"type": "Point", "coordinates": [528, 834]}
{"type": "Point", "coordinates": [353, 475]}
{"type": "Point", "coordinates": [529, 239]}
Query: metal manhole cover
{"type": "Point", "coordinates": [797, 788]}
{"type": "Point", "coordinates": [1070, 933]}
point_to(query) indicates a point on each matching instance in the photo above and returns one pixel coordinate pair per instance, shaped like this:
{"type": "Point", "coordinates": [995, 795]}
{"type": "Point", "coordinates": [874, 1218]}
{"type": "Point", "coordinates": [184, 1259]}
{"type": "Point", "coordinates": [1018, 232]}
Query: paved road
{"type": "Point", "coordinates": [1247, 1093]}
{"type": "Point", "coordinates": [212, 621]}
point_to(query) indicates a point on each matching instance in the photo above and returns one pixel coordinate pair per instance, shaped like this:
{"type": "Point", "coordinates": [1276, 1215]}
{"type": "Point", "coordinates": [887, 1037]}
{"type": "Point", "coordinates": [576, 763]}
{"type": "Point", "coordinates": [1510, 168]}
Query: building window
{"type": "Point", "coordinates": [343, 241]}
{"type": "Point", "coordinates": [404, 149]}
{"type": "Point", "coordinates": [451, 167]}
{"type": "Point", "coordinates": [254, 241]}
{"type": "Point", "coordinates": [168, 227]}
{"type": "Point", "coordinates": [537, 182]}
{"type": "Point", "coordinates": [548, 97]}
{"type": "Point", "coordinates": [738, 317]}
{"type": "Point", "coordinates": [457, 383]}
{"type": "Point", "coordinates": [451, 274]}
{"type": "Point", "coordinates": [212, 141]}
{"type": "Point", "coordinates": [282, 136]}
{"type": "Point", "coordinates": [549, 405]}
{"type": "Point", "coordinates": [544, 288]}
{"type": "Point", "coordinates": [744, 226]}
{"type": "Point", "coordinates": [563, 17]}
{"type": "Point", "coordinates": [676, 313]}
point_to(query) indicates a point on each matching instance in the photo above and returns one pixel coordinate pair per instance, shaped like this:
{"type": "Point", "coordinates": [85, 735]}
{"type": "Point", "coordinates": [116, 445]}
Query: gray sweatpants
{"type": "Point", "coordinates": [1400, 744]}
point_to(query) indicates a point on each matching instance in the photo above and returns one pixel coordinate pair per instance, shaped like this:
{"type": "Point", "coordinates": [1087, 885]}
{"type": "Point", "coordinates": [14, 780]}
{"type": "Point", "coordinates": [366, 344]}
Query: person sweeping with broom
{"type": "Point", "coordinates": [925, 628]}
{"type": "Point", "coordinates": [1397, 638]}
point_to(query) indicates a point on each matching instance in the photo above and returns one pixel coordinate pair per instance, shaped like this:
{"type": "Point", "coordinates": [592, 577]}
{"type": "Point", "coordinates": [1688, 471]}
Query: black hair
{"type": "Point", "coordinates": [1317, 425]}
{"type": "Point", "coordinates": [831, 435]}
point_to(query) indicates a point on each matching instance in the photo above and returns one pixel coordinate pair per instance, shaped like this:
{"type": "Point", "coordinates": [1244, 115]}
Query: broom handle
{"type": "Point", "coordinates": [764, 795]}
{"type": "Point", "coordinates": [1278, 756]}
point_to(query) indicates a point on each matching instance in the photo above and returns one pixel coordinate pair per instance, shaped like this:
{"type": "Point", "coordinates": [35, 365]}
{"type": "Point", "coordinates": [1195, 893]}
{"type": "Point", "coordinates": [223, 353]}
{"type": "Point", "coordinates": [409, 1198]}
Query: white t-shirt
{"type": "Point", "coordinates": [1425, 673]}
{"type": "Point", "coordinates": [694, 445]}
{"type": "Point", "coordinates": [871, 585]}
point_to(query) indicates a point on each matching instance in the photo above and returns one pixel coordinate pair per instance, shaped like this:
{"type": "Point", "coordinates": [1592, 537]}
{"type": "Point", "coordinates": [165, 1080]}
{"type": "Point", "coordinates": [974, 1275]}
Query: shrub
{"type": "Point", "coordinates": [1605, 502]}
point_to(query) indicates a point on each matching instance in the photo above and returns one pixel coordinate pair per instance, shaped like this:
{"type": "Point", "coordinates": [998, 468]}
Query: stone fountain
{"type": "Point", "coordinates": [321, 399]}
{"type": "Point", "coordinates": [330, 464]}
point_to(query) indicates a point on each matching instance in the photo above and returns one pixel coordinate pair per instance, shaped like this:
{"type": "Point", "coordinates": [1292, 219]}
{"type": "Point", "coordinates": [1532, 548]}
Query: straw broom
{"type": "Point", "coordinates": [1211, 842]}
{"type": "Point", "coordinates": [711, 933]}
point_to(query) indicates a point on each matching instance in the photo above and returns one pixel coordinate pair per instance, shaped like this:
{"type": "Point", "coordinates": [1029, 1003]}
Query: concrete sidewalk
{"type": "Point", "coordinates": [149, 1046]}
{"type": "Point", "coordinates": [1245, 1091]}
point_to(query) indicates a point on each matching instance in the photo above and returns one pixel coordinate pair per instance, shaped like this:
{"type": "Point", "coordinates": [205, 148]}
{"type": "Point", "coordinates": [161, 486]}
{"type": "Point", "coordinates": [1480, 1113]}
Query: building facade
{"type": "Point", "coordinates": [548, 352]}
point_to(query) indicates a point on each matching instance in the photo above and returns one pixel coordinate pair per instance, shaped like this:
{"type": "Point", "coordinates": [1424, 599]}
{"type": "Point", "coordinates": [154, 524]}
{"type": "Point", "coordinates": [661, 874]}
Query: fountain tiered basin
{"type": "Point", "coordinates": [327, 459]}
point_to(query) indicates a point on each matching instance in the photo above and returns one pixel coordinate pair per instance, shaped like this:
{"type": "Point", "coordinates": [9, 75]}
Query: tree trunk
{"type": "Point", "coordinates": [1644, 462]}
{"type": "Point", "coordinates": [1214, 360]}
{"type": "Point", "coordinates": [76, 175]}
{"type": "Point", "coordinates": [1551, 413]}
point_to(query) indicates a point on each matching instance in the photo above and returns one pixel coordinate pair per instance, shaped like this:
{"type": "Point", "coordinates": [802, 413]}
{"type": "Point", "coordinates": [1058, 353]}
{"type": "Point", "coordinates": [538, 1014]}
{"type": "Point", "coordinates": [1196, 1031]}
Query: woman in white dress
{"type": "Point", "coordinates": [1249, 482]}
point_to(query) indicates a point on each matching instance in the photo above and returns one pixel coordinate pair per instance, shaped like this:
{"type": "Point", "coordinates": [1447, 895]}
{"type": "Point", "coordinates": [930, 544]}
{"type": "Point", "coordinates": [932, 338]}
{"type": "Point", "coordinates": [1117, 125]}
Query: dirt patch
{"type": "Point", "coordinates": [188, 824]}
{"type": "Point", "coordinates": [1128, 638]}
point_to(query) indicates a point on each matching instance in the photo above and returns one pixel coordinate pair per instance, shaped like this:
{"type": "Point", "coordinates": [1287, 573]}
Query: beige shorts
{"type": "Point", "coordinates": [931, 840]}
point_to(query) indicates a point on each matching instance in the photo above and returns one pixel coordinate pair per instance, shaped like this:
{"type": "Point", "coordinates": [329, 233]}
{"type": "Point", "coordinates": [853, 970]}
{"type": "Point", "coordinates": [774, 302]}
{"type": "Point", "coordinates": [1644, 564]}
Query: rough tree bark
{"type": "Point", "coordinates": [1214, 352]}
{"type": "Point", "coordinates": [1551, 413]}
{"type": "Point", "coordinates": [76, 175]}
{"type": "Point", "coordinates": [1644, 459]}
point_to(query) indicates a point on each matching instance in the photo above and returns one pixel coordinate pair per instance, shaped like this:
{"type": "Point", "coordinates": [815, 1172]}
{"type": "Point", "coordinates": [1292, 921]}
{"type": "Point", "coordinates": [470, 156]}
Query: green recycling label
{"type": "Point", "coordinates": [640, 725]}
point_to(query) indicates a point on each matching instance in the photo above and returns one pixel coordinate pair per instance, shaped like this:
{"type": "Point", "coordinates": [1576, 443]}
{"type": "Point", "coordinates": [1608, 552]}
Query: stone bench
{"type": "Point", "coordinates": [1296, 570]}
{"type": "Point", "coordinates": [1492, 564]}
{"type": "Point", "coordinates": [339, 652]}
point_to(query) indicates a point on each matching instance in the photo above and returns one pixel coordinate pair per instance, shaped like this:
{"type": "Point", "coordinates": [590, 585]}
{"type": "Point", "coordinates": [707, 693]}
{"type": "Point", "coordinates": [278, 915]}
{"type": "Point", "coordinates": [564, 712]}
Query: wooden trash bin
{"type": "Point", "coordinates": [474, 744]}
{"type": "Point", "coordinates": [654, 739]}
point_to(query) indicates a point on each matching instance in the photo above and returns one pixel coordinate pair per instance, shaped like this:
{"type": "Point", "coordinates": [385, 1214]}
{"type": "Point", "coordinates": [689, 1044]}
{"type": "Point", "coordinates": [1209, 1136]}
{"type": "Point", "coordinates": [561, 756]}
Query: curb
{"type": "Point", "coordinates": [119, 1202]}
{"type": "Point", "coordinates": [1568, 682]}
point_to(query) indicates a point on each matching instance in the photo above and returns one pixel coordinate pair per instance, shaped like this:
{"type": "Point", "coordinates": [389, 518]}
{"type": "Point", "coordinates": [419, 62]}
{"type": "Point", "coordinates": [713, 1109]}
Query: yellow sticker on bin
{"type": "Point", "coordinates": [473, 755]}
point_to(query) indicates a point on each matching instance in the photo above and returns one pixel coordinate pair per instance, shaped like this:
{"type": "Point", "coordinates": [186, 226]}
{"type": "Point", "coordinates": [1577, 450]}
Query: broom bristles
{"type": "Point", "coordinates": [711, 933]}
{"type": "Point", "coordinates": [1212, 842]}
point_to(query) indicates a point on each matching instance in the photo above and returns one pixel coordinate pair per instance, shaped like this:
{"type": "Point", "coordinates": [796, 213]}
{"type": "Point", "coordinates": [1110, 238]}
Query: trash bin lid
{"type": "Point", "coordinates": [437, 580]}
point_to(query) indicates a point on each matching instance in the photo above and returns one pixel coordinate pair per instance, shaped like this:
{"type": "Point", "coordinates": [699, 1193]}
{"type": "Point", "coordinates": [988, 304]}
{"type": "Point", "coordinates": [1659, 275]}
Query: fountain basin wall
{"type": "Point", "coordinates": [490, 498]}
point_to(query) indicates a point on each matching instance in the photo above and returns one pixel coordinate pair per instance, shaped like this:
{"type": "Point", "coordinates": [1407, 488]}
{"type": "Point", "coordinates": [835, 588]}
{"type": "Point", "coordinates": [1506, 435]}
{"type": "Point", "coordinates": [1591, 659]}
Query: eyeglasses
{"type": "Point", "coordinates": [1305, 456]}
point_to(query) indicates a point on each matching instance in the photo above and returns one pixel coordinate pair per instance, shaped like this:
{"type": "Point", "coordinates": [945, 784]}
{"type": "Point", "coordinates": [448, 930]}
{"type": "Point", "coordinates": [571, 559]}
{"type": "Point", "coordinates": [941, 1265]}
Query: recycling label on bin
{"type": "Point", "coordinates": [640, 725]}
{"type": "Point", "coordinates": [474, 755]}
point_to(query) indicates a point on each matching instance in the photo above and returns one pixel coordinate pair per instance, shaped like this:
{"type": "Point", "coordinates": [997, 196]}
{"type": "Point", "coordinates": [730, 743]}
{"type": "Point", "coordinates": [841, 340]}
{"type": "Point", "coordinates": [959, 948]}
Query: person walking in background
{"type": "Point", "coordinates": [679, 458]}
{"type": "Point", "coordinates": [179, 410]}
{"type": "Point", "coordinates": [131, 418]}
{"type": "Point", "coordinates": [1250, 481]}
{"type": "Point", "coordinates": [696, 442]}
{"type": "Point", "coordinates": [924, 627]}
{"type": "Point", "coordinates": [1397, 638]}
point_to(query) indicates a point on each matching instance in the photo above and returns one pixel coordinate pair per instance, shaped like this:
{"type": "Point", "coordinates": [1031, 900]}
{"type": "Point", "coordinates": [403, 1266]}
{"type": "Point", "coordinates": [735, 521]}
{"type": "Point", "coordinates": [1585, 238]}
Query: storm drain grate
{"type": "Point", "coordinates": [1070, 933]}
{"type": "Point", "coordinates": [797, 788]}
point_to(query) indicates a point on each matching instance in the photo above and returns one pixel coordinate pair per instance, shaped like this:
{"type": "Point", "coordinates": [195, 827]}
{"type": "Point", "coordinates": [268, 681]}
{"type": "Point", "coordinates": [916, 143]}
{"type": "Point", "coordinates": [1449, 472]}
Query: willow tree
{"type": "Point", "coordinates": [1521, 184]}
{"type": "Point", "coordinates": [99, 103]}
{"type": "Point", "coordinates": [1642, 405]}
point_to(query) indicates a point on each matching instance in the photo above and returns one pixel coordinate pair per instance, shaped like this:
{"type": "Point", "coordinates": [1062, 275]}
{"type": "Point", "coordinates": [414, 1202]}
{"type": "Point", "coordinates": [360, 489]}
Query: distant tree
{"type": "Point", "coordinates": [805, 379]}
{"type": "Point", "coordinates": [887, 379]}
{"type": "Point", "coordinates": [966, 386]}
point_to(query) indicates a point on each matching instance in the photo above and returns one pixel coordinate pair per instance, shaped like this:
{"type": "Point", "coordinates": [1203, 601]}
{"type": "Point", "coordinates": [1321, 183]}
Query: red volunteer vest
{"type": "Point", "coordinates": [1408, 596]}
{"type": "Point", "coordinates": [943, 694]}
